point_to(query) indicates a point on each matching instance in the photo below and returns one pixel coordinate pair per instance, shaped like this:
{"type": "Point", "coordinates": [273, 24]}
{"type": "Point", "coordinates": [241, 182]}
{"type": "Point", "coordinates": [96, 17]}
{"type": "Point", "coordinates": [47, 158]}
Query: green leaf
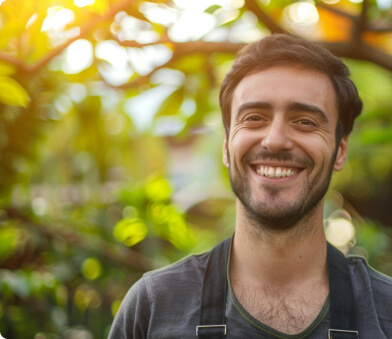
{"type": "Point", "coordinates": [12, 93]}
{"type": "Point", "coordinates": [171, 105]}
{"type": "Point", "coordinates": [158, 189]}
{"type": "Point", "coordinates": [9, 239]}
{"type": "Point", "coordinates": [130, 231]}
{"type": "Point", "coordinates": [212, 9]}
{"type": "Point", "coordinates": [99, 7]}
{"type": "Point", "coordinates": [6, 69]}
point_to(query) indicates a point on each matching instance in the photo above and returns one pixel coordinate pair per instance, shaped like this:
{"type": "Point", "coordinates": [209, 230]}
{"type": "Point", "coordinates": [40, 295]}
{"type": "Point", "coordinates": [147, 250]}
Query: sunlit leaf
{"type": "Point", "coordinates": [9, 239]}
{"type": "Point", "coordinates": [172, 103]}
{"type": "Point", "coordinates": [91, 268]}
{"type": "Point", "coordinates": [12, 93]}
{"type": "Point", "coordinates": [130, 231]}
{"type": "Point", "coordinates": [6, 69]}
{"type": "Point", "coordinates": [158, 189]}
{"type": "Point", "coordinates": [99, 7]}
{"type": "Point", "coordinates": [212, 9]}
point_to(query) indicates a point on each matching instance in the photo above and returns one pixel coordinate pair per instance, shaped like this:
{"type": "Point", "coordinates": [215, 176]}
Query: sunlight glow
{"type": "Point", "coordinates": [134, 29]}
{"type": "Point", "coordinates": [78, 56]}
{"type": "Point", "coordinates": [144, 60]}
{"type": "Point", "coordinates": [384, 4]}
{"type": "Point", "coordinates": [339, 231]}
{"type": "Point", "coordinates": [304, 13]}
{"type": "Point", "coordinates": [143, 107]}
{"type": "Point", "coordinates": [57, 18]}
{"type": "Point", "coordinates": [116, 71]}
{"type": "Point", "coordinates": [55, 25]}
{"type": "Point", "coordinates": [32, 20]}
{"type": "Point", "coordinates": [201, 5]}
{"type": "Point", "coordinates": [159, 13]}
{"type": "Point", "coordinates": [112, 52]}
{"type": "Point", "coordinates": [77, 92]}
{"type": "Point", "coordinates": [83, 3]}
{"type": "Point", "coordinates": [39, 206]}
{"type": "Point", "coordinates": [245, 29]}
{"type": "Point", "coordinates": [191, 25]}
{"type": "Point", "coordinates": [188, 20]}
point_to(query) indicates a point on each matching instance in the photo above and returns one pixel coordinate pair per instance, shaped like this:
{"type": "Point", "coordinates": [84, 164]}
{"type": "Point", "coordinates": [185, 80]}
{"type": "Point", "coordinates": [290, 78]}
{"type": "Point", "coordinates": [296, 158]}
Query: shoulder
{"type": "Point", "coordinates": [372, 289]}
{"type": "Point", "coordinates": [186, 274]}
{"type": "Point", "coordinates": [360, 270]}
{"type": "Point", "coordinates": [159, 295]}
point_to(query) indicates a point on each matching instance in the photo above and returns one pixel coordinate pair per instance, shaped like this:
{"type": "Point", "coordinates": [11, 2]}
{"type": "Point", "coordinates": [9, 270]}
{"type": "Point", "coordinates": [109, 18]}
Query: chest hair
{"type": "Point", "coordinates": [286, 310]}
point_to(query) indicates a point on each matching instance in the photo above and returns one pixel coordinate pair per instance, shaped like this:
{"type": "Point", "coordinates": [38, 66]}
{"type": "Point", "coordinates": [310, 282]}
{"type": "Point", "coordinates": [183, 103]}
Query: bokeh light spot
{"type": "Point", "coordinates": [78, 57]}
{"type": "Point", "coordinates": [158, 189]}
{"type": "Point", "coordinates": [339, 231]}
{"type": "Point", "coordinates": [57, 19]}
{"type": "Point", "coordinates": [91, 268]}
{"type": "Point", "coordinates": [304, 13]}
{"type": "Point", "coordinates": [130, 231]}
{"type": "Point", "coordinates": [115, 306]}
{"type": "Point", "coordinates": [83, 3]}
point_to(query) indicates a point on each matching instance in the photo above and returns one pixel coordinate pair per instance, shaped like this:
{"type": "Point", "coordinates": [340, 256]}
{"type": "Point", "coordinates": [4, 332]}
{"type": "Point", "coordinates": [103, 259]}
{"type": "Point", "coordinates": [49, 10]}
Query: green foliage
{"type": "Point", "coordinates": [12, 93]}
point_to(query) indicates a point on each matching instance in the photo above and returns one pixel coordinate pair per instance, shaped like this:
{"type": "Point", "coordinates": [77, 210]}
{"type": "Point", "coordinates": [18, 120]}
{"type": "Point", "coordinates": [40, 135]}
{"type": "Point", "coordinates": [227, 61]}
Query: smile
{"type": "Point", "coordinates": [277, 172]}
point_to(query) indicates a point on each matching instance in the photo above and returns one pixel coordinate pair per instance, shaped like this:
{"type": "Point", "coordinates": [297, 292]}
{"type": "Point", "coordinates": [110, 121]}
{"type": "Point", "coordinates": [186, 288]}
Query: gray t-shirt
{"type": "Point", "coordinates": [165, 304]}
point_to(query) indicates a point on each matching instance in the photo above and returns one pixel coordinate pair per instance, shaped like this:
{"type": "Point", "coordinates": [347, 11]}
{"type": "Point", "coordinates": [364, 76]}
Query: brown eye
{"type": "Point", "coordinates": [306, 122]}
{"type": "Point", "coordinates": [253, 118]}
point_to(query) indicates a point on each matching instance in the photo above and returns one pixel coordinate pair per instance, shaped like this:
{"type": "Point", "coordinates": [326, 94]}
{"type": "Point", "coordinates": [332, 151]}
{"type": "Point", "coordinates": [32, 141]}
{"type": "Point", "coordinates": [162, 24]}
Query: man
{"type": "Point", "coordinates": [288, 108]}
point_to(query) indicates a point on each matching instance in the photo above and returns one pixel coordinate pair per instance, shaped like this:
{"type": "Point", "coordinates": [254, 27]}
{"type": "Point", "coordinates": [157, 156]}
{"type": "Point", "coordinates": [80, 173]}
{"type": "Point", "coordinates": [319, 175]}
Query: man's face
{"type": "Point", "coordinates": [281, 148]}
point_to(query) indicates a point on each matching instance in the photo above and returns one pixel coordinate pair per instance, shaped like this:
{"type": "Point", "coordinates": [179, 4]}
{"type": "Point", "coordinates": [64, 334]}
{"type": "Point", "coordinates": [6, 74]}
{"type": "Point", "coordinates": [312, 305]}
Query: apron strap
{"type": "Point", "coordinates": [342, 305]}
{"type": "Point", "coordinates": [214, 291]}
{"type": "Point", "coordinates": [213, 300]}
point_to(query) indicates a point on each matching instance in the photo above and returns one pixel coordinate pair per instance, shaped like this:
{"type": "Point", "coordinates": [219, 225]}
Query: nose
{"type": "Point", "coordinates": [276, 137]}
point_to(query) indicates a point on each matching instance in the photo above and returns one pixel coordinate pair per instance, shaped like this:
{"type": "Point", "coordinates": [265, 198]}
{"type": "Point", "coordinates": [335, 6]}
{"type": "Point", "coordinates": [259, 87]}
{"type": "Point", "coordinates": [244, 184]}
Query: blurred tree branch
{"type": "Point", "coordinates": [354, 48]}
{"type": "Point", "coordinates": [120, 255]}
{"type": "Point", "coordinates": [84, 30]}
{"type": "Point", "coordinates": [263, 17]}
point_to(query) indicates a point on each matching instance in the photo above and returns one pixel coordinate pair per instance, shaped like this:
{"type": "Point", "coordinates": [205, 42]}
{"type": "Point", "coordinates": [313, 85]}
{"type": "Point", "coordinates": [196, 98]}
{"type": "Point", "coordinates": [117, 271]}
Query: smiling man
{"type": "Point", "coordinates": [288, 108]}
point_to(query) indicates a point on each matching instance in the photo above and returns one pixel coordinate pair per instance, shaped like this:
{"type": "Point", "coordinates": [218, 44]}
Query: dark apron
{"type": "Point", "coordinates": [213, 301]}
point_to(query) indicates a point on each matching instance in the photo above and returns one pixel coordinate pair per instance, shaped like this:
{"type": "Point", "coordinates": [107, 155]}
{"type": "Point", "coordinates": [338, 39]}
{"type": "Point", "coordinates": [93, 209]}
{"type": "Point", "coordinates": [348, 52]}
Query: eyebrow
{"type": "Point", "coordinates": [303, 107]}
{"type": "Point", "coordinates": [292, 107]}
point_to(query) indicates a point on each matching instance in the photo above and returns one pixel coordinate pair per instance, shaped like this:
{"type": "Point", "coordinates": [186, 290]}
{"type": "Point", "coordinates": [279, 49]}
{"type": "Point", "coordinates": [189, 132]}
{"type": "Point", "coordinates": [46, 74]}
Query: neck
{"type": "Point", "coordinates": [287, 258]}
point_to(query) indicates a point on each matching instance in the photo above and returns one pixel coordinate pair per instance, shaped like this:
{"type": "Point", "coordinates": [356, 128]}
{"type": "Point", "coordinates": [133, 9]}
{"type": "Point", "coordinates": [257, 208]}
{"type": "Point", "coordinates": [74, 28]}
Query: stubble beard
{"type": "Point", "coordinates": [281, 216]}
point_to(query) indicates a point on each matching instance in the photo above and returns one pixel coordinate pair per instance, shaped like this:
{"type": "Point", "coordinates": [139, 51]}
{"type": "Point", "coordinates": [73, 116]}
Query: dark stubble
{"type": "Point", "coordinates": [281, 217]}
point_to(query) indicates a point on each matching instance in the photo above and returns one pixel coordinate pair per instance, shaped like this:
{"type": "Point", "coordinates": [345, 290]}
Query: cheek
{"type": "Point", "coordinates": [240, 144]}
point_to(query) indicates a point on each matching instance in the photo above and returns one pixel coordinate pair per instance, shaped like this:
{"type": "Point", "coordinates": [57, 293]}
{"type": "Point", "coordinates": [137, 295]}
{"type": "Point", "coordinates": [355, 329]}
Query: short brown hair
{"type": "Point", "coordinates": [285, 49]}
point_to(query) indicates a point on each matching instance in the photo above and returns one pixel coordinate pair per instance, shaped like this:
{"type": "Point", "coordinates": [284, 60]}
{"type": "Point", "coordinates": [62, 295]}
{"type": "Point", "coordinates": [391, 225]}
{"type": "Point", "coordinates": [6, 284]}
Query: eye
{"type": "Point", "coordinates": [254, 121]}
{"type": "Point", "coordinates": [305, 125]}
{"type": "Point", "coordinates": [306, 122]}
{"type": "Point", "coordinates": [253, 118]}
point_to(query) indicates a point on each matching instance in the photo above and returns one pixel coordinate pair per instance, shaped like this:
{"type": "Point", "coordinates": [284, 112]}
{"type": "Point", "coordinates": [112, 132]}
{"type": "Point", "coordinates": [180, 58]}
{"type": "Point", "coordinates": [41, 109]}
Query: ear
{"type": "Point", "coordinates": [225, 158]}
{"type": "Point", "coordinates": [341, 157]}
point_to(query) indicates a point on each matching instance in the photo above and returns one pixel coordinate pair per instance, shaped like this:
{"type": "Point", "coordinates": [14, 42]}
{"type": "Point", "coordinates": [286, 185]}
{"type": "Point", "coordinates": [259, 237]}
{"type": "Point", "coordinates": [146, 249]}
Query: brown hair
{"type": "Point", "coordinates": [285, 49]}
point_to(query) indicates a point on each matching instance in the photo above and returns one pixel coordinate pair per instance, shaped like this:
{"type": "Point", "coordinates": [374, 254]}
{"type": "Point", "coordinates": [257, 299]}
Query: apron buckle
{"type": "Point", "coordinates": [210, 326]}
{"type": "Point", "coordinates": [330, 332]}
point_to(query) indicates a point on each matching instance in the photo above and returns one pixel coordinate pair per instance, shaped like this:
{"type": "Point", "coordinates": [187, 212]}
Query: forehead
{"type": "Point", "coordinates": [283, 85]}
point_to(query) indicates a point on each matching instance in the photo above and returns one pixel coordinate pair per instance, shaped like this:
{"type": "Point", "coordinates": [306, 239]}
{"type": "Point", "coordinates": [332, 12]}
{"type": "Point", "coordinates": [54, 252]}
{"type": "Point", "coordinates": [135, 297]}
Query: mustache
{"type": "Point", "coordinates": [283, 156]}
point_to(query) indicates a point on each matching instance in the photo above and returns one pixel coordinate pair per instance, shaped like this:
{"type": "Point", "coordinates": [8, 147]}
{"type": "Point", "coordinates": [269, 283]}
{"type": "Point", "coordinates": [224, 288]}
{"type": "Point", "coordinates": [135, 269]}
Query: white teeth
{"type": "Point", "coordinates": [275, 172]}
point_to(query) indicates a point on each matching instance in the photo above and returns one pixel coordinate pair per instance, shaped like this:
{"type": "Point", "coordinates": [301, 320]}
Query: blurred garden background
{"type": "Point", "coordinates": [111, 144]}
